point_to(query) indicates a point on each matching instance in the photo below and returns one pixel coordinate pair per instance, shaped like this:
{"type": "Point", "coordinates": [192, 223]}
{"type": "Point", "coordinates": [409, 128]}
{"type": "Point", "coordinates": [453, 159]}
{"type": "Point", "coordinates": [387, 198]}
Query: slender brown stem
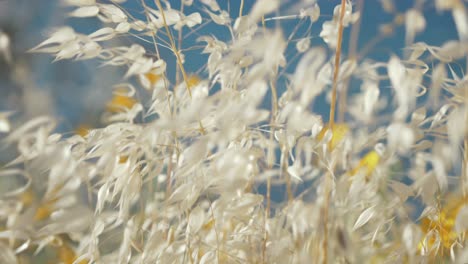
{"type": "Point", "coordinates": [337, 65]}
{"type": "Point", "coordinates": [331, 123]}
{"type": "Point", "coordinates": [353, 43]}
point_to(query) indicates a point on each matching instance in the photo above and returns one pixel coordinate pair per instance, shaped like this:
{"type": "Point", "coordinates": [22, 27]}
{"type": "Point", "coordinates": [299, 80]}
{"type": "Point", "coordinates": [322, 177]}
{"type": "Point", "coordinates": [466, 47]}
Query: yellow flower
{"type": "Point", "coordinates": [339, 131]}
{"type": "Point", "coordinates": [27, 197]}
{"type": "Point", "coordinates": [67, 255]}
{"type": "Point", "coordinates": [82, 130]}
{"type": "Point", "coordinates": [193, 81]}
{"type": "Point", "coordinates": [123, 159]}
{"type": "Point", "coordinates": [44, 210]}
{"type": "Point", "coordinates": [368, 163]}
{"type": "Point", "coordinates": [46, 207]}
{"type": "Point", "coordinates": [120, 103]}
{"type": "Point", "coordinates": [152, 77]}
{"type": "Point", "coordinates": [442, 226]}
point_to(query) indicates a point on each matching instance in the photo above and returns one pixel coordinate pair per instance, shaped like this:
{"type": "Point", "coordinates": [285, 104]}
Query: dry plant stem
{"type": "Point", "coordinates": [179, 60]}
{"type": "Point", "coordinates": [173, 47]}
{"type": "Point", "coordinates": [172, 111]}
{"type": "Point", "coordinates": [328, 178]}
{"type": "Point", "coordinates": [337, 65]}
{"type": "Point", "coordinates": [157, 53]}
{"type": "Point", "coordinates": [331, 123]}
{"type": "Point", "coordinates": [179, 40]}
{"type": "Point", "coordinates": [274, 111]}
{"type": "Point", "coordinates": [352, 55]}
{"type": "Point", "coordinates": [288, 177]}
{"type": "Point", "coordinates": [241, 8]}
{"type": "Point", "coordinates": [169, 174]}
{"type": "Point", "coordinates": [89, 191]}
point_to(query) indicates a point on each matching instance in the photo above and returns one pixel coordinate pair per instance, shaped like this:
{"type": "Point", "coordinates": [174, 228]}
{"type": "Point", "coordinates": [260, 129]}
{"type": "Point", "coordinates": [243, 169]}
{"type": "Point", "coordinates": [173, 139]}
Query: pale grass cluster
{"type": "Point", "coordinates": [229, 164]}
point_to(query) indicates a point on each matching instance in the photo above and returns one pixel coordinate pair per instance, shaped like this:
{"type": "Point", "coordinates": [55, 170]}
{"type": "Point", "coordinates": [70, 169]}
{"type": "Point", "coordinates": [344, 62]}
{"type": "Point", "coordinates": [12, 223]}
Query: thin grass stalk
{"type": "Point", "coordinates": [331, 123]}
{"type": "Point", "coordinates": [241, 8]}
{"type": "Point", "coordinates": [353, 44]}
{"type": "Point", "coordinates": [174, 47]}
{"type": "Point", "coordinates": [274, 110]}
{"type": "Point", "coordinates": [179, 40]}
{"type": "Point", "coordinates": [171, 110]}
{"type": "Point", "coordinates": [179, 60]}
{"type": "Point", "coordinates": [337, 65]}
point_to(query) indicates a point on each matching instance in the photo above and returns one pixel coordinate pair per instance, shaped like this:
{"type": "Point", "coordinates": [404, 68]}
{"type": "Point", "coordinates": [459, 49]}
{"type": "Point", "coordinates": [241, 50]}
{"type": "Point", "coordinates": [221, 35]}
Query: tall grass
{"type": "Point", "coordinates": [237, 162]}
